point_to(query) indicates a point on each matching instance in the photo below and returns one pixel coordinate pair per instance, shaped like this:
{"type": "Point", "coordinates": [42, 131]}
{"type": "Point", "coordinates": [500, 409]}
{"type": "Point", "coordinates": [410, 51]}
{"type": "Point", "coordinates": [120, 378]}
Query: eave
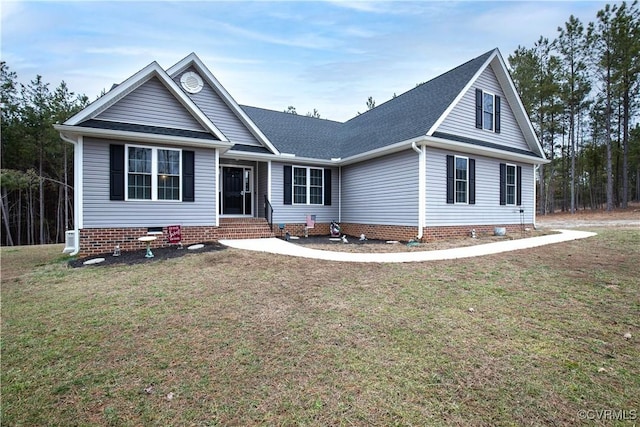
{"type": "Point", "coordinates": [75, 131]}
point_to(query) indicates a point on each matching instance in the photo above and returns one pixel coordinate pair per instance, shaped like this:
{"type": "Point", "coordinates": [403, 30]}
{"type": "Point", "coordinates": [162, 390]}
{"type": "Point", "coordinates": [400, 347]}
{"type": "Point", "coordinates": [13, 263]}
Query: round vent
{"type": "Point", "coordinates": [191, 82]}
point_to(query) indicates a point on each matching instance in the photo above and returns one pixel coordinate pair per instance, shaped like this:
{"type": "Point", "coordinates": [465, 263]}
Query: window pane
{"type": "Point", "coordinates": [511, 195]}
{"type": "Point", "coordinates": [316, 195]}
{"type": "Point", "coordinates": [139, 160]}
{"type": "Point", "coordinates": [299, 194]}
{"type": "Point", "coordinates": [139, 186]}
{"type": "Point", "coordinates": [168, 187]}
{"type": "Point", "coordinates": [169, 162]}
{"type": "Point", "coordinates": [511, 175]}
{"type": "Point", "coordinates": [316, 177]}
{"type": "Point", "coordinates": [487, 106]}
{"type": "Point", "coordinates": [461, 192]}
{"type": "Point", "coordinates": [299, 176]}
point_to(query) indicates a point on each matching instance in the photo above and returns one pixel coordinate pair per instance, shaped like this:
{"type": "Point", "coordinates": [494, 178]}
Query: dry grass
{"type": "Point", "coordinates": [244, 338]}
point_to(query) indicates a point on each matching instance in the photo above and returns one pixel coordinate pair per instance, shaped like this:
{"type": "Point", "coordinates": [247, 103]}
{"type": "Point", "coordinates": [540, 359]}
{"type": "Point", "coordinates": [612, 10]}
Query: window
{"type": "Point", "coordinates": [511, 185]}
{"type": "Point", "coordinates": [308, 185]}
{"type": "Point", "coordinates": [153, 173]}
{"type": "Point", "coordinates": [487, 111]}
{"type": "Point", "coordinates": [299, 185]}
{"type": "Point", "coordinates": [461, 179]}
{"type": "Point", "coordinates": [139, 176]}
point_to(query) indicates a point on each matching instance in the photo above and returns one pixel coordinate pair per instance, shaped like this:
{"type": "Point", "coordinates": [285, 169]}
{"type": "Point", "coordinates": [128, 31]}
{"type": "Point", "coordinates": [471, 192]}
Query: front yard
{"type": "Point", "coordinates": [534, 337]}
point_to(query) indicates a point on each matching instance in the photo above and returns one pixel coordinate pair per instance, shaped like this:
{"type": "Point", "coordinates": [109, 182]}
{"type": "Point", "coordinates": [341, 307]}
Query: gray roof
{"type": "Point", "coordinates": [156, 130]}
{"type": "Point", "coordinates": [406, 116]}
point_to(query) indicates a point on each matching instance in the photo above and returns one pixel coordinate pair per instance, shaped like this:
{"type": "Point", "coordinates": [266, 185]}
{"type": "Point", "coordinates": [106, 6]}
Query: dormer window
{"type": "Point", "coordinates": [487, 111]}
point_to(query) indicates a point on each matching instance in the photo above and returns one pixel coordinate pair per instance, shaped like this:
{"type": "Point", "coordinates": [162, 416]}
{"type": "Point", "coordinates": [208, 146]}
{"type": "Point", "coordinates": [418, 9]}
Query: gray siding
{"type": "Point", "coordinates": [221, 115]}
{"type": "Point", "coordinates": [152, 104]}
{"type": "Point", "coordinates": [382, 190]}
{"type": "Point", "coordinates": [101, 212]}
{"type": "Point", "coordinates": [297, 213]}
{"type": "Point", "coordinates": [487, 209]}
{"type": "Point", "coordinates": [461, 120]}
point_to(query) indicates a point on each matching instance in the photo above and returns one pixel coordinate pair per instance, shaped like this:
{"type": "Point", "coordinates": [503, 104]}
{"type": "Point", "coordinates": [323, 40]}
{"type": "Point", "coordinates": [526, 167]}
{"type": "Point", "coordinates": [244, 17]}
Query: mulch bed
{"type": "Point", "coordinates": [138, 257]}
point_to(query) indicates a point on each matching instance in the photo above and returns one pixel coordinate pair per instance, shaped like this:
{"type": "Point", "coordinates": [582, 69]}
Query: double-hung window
{"type": "Point", "coordinates": [487, 111]}
{"type": "Point", "coordinates": [153, 173]}
{"type": "Point", "coordinates": [308, 185]}
{"type": "Point", "coordinates": [462, 179]}
{"type": "Point", "coordinates": [511, 185]}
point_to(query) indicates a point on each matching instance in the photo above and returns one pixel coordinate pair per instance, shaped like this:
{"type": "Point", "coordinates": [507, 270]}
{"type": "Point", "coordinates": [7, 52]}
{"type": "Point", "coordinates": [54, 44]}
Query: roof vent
{"type": "Point", "coordinates": [191, 82]}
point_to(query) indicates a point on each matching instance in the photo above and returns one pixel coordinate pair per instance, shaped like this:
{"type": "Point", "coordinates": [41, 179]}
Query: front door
{"type": "Point", "coordinates": [236, 190]}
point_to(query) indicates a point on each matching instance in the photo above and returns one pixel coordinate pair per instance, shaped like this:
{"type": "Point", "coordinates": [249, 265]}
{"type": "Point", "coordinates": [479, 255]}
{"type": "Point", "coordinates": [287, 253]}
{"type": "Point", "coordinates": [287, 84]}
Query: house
{"type": "Point", "coordinates": [172, 147]}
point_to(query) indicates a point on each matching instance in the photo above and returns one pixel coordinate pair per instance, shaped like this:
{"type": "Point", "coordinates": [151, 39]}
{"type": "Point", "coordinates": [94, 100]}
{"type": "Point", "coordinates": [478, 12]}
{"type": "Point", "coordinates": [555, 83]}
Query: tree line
{"type": "Point", "coordinates": [582, 93]}
{"type": "Point", "coordinates": [36, 165]}
{"type": "Point", "coordinates": [581, 90]}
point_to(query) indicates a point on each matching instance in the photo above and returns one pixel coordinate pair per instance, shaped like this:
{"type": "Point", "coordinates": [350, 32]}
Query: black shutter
{"type": "Point", "coordinates": [503, 184]}
{"type": "Point", "coordinates": [327, 187]}
{"type": "Point", "coordinates": [519, 185]}
{"type": "Point", "coordinates": [497, 114]}
{"type": "Point", "coordinates": [287, 185]}
{"type": "Point", "coordinates": [472, 181]}
{"type": "Point", "coordinates": [479, 108]}
{"type": "Point", "coordinates": [116, 172]}
{"type": "Point", "coordinates": [188, 176]}
{"type": "Point", "coordinates": [451, 170]}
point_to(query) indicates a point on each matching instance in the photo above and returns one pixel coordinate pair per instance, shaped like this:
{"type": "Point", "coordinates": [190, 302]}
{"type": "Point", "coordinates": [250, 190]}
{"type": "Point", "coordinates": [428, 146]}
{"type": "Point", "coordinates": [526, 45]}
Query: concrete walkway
{"type": "Point", "coordinates": [278, 246]}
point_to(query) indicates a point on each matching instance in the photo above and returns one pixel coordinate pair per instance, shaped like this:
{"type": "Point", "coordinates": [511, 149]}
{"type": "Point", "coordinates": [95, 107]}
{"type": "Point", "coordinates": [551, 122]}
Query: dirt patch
{"type": "Point", "coordinates": [355, 245]}
{"type": "Point", "coordinates": [138, 257]}
{"type": "Point", "coordinates": [629, 217]}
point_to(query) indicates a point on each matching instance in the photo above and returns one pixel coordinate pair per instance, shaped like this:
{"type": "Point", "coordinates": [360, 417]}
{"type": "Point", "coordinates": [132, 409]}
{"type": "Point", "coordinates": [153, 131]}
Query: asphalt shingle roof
{"type": "Point", "coordinates": [157, 130]}
{"type": "Point", "coordinates": [406, 116]}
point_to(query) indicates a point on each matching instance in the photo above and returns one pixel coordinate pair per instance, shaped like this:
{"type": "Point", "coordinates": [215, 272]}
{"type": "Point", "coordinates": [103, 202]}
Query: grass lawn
{"type": "Point", "coordinates": [245, 338]}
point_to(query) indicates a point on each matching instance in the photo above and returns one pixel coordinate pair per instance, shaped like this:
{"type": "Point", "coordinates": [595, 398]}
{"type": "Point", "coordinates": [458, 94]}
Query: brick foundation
{"type": "Point", "coordinates": [95, 241]}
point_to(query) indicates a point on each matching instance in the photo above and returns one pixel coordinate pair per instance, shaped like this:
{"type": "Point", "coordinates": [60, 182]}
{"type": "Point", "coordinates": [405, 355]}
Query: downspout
{"type": "Point", "coordinates": [218, 186]}
{"type": "Point", "coordinates": [77, 190]}
{"type": "Point", "coordinates": [421, 187]}
{"type": "Point", "coordinates": [339, 194]}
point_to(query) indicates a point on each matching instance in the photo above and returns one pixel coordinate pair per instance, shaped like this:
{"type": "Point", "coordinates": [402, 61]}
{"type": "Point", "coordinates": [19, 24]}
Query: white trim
{"type": "Point", "coordinates": [193, 60]}
{"type": "Point", "coordinates": [339, 194]}
{"type": "Point", "coordinates": [493, 113]}
{"type": "Point", "coordinates": [269, 181]}
{"type": "Point", "coordinates": [217, 185]}
{"type": "Point", "coordinates": [307, 185]}
{"type": "Point", "coordinates": [422, 188]}
{"type": "Point", "coordinates": [154, 173]}
{"type": "Point", "coordinates": [515, 184]}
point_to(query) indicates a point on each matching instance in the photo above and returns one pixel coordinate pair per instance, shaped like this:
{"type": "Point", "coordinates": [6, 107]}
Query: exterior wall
{"type": "Point", "coordinates": [296, 214]}
{"type": "Point", "coordinates": [487, 210]}
{"type": "Point", "coordinates": [382, 191]}
{"type": "Point", "coordinates": [380, 232]}
{"type": "Point", "coordinates": [100, 212]}
{"type": "Point", "coordinates": [439, 233]}
{"type": "Point", "coordinates": [220, 114]}
{"type": "Point", "coordinates": [461, 120]}
{"type": "Point", "coordinates": [152, 104]}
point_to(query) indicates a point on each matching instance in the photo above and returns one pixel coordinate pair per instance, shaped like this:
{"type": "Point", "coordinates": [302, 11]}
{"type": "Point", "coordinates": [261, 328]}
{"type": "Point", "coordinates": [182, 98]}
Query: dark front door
{"type": "Point", "coordinates": [232, 191]}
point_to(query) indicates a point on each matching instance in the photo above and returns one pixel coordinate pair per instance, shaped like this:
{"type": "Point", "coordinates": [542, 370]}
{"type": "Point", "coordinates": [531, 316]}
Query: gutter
{"type": "Point", "coordinates": [421, 187]}
{"type": "Point", "coordinates": [77, 201]}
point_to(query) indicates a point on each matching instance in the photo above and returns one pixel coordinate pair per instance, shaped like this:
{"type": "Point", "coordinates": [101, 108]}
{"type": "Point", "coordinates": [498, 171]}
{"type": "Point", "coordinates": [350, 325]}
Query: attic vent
{"type": "Point", "coordinates": [191, 82]}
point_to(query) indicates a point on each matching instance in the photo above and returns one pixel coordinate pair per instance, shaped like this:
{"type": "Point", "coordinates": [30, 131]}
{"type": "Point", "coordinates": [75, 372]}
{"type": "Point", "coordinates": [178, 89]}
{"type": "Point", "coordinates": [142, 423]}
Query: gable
{"type": "Point", "coordinates": [208, 100]}
{"type": "Point", "coordinates": [460, 121]}
{"type": "Point", "coordinates": [151, 104]}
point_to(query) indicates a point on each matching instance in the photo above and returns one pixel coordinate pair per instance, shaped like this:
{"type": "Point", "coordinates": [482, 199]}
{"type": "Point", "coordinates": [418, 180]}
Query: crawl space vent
{"type": "Point", "coordinates": [191, 82]}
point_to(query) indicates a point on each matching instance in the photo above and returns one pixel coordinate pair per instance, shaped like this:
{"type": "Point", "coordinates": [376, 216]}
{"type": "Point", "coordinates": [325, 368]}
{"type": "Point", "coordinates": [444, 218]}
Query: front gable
{"type": "Point", "coordinates": [463, 119]}
{"type": "Point", "coordinates": [148, 99]}
{"type": "Point", "coordinates": [151, 104]}
{"type": "Point", "coordinates": [220, 107]}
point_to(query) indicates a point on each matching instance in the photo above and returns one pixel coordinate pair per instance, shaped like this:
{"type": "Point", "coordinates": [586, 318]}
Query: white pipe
{"type": "Point", "coordinates": [76, 201]}
{"type": "Point", "coordinates": [421, 187]}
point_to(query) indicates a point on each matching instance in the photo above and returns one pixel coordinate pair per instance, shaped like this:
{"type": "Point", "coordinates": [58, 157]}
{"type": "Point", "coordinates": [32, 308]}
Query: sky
{"type": "Point", "coordinates": [327, 55]}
